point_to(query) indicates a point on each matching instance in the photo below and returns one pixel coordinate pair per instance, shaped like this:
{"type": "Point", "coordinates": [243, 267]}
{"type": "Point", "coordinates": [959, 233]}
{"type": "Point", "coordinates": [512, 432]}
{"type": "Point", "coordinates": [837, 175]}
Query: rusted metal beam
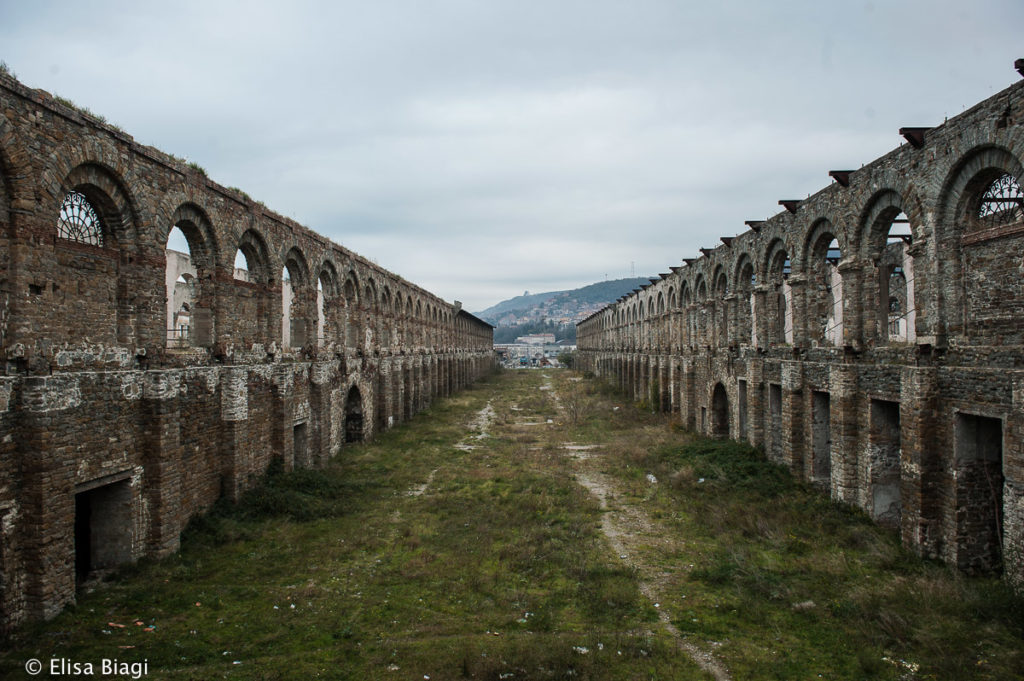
{"type": "Point", "coordinates": [1019, 65]}
{"type": "Point", "coordinates": [706, 252]}
{"type": "Point", "coordinates": [755, 225]}
{"type": "Point", "coordinates": [841, 176]}
{"type": "Point", "coordinates": [789, 204]}
{"type": "Point", "coordinates": [915, 136]}
{"type": "Point", "coordinates": [727, 240]}
{"type": "Point", "coordinates": [688, 261]}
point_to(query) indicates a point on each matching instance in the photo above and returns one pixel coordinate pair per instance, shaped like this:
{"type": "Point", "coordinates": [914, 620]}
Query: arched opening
{"type": "Point", "coordinates": [779, 322]}
{"type": "Point", "coordinates": [181, 291]}
{"type": "Point", "coordinates": [746, 280]}
{"type": "Point", "coordinates": [242, 267]}
{"type": "Point", "coordinates": [354, 416]}
{"type": "Point", "coordinates": [719, 412]}
{"type": "Point", "coordinates": [721, 307]}
{"type": "Point", "coordinates": [890, 311]}
{"type": "Point", "coordinates": [824, 289]}
{"type": "Point", "coordinates": [351, 295]}
{"type": "Point", "coordinates": [992, 243]}
{"type": "Point", "coordinates": [287, 298]}
{"type": "Point", "coordinates": [253, 302]}
{"type": "Point", "coordinates": [94, 231]}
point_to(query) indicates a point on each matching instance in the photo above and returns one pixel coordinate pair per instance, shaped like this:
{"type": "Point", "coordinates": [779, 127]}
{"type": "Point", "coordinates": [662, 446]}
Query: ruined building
{"type": "Point", "coordinates": [141, 384]}
{"type": "Point", "coordinates": [870, 337]}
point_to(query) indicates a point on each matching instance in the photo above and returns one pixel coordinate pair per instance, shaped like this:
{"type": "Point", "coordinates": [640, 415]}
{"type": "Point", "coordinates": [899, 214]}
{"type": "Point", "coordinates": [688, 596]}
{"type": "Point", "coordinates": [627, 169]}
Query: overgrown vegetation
{"type": "Point", "coordinates": [790, 584]}
{"type": "Point", "coordinates": [413, 557]}
{"type": "Point", "coordinates": [6, 70]}
{"type": "Point", "coordinates": [198, 168]}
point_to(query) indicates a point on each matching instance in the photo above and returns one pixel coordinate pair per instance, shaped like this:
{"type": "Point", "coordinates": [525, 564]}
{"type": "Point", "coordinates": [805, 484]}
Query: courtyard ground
{"type": "Point", "coordinates": [538, 526]}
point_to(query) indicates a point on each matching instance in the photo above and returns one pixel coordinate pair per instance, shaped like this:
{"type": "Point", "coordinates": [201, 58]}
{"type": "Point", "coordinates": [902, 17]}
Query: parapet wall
{"type": "Point", "coordinates": [871, 337]}
{"type": "Point", "coordinates": [117, 425]}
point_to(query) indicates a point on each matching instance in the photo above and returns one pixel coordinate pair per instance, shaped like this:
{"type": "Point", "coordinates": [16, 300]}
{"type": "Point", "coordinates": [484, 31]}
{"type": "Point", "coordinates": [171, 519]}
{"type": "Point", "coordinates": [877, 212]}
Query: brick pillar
{"type": "Point", "coordinates": [283, 410]}
{"type": "Point", "coordinates": [798, 293]}
{"type": "Point", "coordinates": [161, 462]}
{"type": "Point", "coordinates": [234, 410]}
{"type": "Point", "coordinates": [844, 422]}
{"type": "Point", "coordinates": [688, 395]}
{"type": "Point", "coordinates": [852, 273]}
{"type": "Point", "coordinates": [1013, 488]}
{"type": "Point", "coordinates": [793, 437]}
{"type": "Point", "coordinates": [762, 320]}
{"type": "Point", "coordinates": [756, 391]}
{"type": "Point", "coordinates": [920, 464]}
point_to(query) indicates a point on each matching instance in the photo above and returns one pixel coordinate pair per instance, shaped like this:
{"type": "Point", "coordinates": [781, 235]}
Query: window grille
{"type": "Point", "coordinates": [1002, 202]}
{"type": "Point", "coordinates": [78, 221]}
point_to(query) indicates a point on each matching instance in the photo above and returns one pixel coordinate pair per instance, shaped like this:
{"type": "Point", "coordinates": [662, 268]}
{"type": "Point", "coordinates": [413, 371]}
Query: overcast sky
{"type": "Point", "coordinates": [481, 148]}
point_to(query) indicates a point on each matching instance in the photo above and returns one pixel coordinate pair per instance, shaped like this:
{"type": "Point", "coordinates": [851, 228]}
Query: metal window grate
{"type": "Point", "coordinates": [78, 221]}
{"type": "Point", "coordinates": [1002, 202]}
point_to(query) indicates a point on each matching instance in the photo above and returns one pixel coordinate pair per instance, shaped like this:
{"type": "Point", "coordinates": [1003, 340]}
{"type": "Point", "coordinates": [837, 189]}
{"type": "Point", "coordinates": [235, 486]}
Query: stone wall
{"type": "Point", "coordinates": [111, 436]}
{"type": "Point", "coordinates": [870, 337]}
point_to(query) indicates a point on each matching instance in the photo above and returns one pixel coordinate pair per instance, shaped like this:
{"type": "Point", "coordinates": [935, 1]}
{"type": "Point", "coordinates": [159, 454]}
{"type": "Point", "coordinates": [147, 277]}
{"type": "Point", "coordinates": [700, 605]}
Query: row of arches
{"type": "Point", "coordinates": [236, 282]}
{"type": "Point", "coordinates": [879, 280]}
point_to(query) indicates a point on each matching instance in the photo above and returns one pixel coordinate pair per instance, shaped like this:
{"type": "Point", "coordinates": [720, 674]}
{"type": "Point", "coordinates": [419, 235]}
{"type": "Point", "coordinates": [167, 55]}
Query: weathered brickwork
{"type": "Point", "coordinates": [870, 337]}
{"type": "Point", "coordinates": [114, 429]}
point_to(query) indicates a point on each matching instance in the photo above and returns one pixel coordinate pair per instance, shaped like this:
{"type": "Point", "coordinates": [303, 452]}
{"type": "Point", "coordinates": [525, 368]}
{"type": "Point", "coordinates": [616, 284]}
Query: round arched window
{"type": "Point", "coordinates": [1003, 202]}
{"type": "Point", "coordinates": [78, 221]}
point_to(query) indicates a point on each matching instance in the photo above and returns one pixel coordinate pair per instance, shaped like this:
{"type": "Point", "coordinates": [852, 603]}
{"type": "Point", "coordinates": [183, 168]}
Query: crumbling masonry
{"type": "Point", "coordinates": [870, 337]}
{"type": "Point", "coordinates": [140, 385]}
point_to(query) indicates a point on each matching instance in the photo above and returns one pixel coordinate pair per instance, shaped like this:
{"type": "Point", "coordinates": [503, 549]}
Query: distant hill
{"type": "Point", "coordinates": [557, 309]}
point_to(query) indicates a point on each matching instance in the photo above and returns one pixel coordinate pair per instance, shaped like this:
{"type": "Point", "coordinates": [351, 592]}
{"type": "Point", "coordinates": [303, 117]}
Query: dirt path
{"type": "Point", "coordinates": [628, 528]}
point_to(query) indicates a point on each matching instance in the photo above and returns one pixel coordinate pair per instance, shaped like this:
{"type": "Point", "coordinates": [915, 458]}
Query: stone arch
{"type": "Point", "coordinates": [778, 312]}
{"type": "Point", "coordinates": [822, 314]}
{"type": "Point", "coordinates": [978, 262]}
{"type": "Point", "coordinates": [298, 300]}
{"type": "Point", "coordinates": [109, 277]}
{"type": "Point", "coordinates": [199, 269]}
{"type": "Point", "coordinates": [246, 313]}
{"type": "Point", "coordinates": [744, 281]}
{"type": "Point", "coordinates": [720, 306]}
{"type": "Point", "coordinates": [886, 257]}
{"type": "Point", "coordinates": [328, 318]}
{"type": "Point", "coordinates": [386, 318]}
{"type": "Point", "coordinates": [686, 302]}
{"type": "Point", "coordinates": [719, 426]}
{"type": "Point", "coordinates": [350, 294]}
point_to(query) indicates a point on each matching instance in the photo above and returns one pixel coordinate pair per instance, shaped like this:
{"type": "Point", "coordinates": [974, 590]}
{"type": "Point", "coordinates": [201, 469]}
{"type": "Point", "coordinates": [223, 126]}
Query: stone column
{"type": "Point", "coordinates": [1013, 487]}
{"type": "Point", "coordinates": [755, 403]}
{"type": "Point", "coordinates": [851, 270]}
{"type": "Point", "coordinates": [920, 463]}
{"type": "Point", "coordinates": [844, 422]}
{"type": "Point", "coordinates": [161, 461]}
{"type": "Point", "coordinates": [798, 293]}
{"type": "Point", "coordinates": [234, 414]}
{"type": "Point", "coordinates": [793, 436]}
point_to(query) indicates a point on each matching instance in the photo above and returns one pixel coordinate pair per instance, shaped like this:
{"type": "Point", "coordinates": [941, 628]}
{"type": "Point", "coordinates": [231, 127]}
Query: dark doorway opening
{"type": "Point", "coordinates": [719, 412]}
{"type": "Point", "coordinates": [979, 493]}
{"type": "Point", "coordinates": [103, 528]}
{"type": "Point", "coordinates": [354, 416]}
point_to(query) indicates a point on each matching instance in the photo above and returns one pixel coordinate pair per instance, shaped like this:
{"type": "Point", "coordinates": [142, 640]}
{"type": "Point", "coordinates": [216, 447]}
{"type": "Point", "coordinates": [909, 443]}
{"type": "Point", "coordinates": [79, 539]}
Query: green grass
{"type": "Point", "coordinates": [791, 583]}
{"type": "Point", "coordinates": [500, 570]}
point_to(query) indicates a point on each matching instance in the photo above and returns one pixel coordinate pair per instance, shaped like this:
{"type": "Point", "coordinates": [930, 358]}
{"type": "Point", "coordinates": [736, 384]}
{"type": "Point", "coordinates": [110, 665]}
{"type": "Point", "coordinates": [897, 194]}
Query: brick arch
{"type": "Point", "coordinates": [195, 224]}
{"type": "Point", "coordinates": [16, 184]}
{"type": "Point", "coordinates": [109, 197]}
{"type": "Point", "coordinates": [99, 163]}
{"type": "Point", "coordinates": [254, 247]}
{"type": "Point", "coordinates": [958, 288]}
{"type": "Point", "coordinates": [295, 262]}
